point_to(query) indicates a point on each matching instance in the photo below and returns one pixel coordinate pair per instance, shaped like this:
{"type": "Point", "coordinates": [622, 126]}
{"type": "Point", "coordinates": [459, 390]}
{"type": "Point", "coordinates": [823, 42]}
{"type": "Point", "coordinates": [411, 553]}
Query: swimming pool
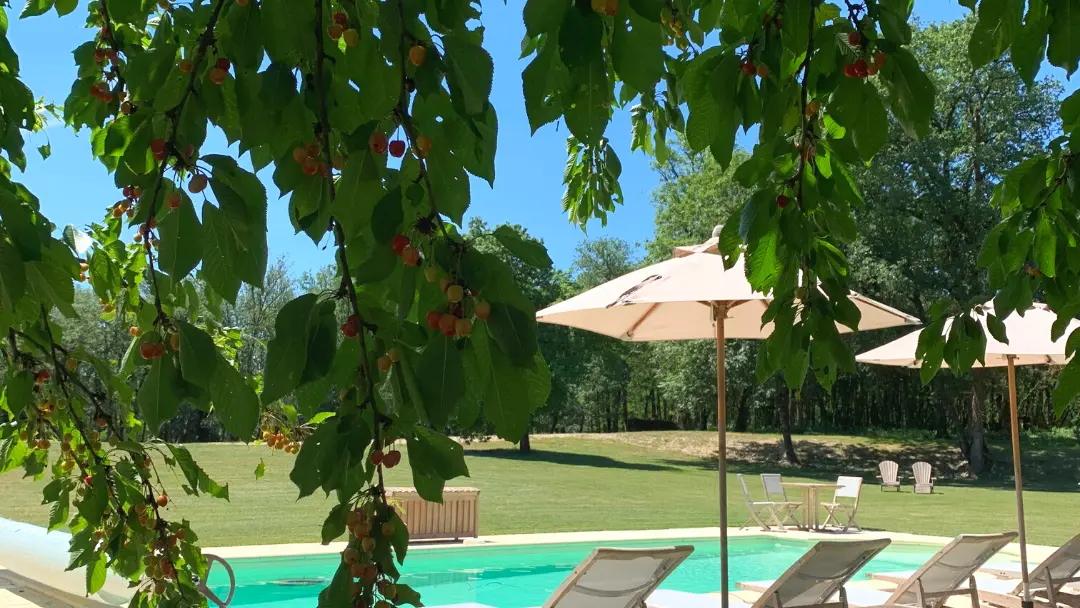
{"type": "Point", "coordinates": [524, 575]}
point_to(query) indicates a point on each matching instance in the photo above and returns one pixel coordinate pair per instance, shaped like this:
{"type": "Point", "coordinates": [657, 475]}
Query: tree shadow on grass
{"type": "Point", "coordinates": [1054, 468]}
{"type": "Point", "coordinates": [572, 459]}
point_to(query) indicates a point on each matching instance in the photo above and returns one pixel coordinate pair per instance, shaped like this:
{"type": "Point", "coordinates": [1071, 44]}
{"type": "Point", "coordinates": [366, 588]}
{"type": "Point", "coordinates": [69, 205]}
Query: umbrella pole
{"type": "Point", "coordinates": [720, 313]}
{"type": "Point", "coordinates": [1015, 420]}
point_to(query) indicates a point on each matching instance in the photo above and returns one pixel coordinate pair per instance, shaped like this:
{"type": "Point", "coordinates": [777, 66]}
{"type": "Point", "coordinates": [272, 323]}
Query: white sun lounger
{"type": "Point", "coordinates": [612, 578]}
{"type": "Point", "coordinates": [942, 576]}
{"type": "Point", "coordinates": [817, 579]}
{"type": "Point", "coordinates": [1058, 570]}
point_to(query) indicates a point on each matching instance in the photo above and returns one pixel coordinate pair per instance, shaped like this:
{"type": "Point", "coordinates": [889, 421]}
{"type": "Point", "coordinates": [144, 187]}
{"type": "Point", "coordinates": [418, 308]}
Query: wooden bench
{"type": "Point", "coordinates": [457, 517]}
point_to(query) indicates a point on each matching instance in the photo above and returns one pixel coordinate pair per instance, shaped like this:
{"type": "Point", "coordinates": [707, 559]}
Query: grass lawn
{"type": "Point", "coordinates": [628, 481]}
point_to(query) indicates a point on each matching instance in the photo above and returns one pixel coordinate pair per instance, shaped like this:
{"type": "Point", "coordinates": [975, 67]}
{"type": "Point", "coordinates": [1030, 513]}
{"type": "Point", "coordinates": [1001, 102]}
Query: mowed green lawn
{"type": "Point", "coordinates": [574, 484]}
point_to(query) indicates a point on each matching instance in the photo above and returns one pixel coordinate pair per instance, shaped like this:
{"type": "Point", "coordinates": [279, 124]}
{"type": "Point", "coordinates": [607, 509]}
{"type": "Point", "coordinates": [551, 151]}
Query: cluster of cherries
{"type": "Point", "coordinates": [126, 205]}
{"type": "Point", "coordinates": [388, 459]}
{"type": "Point", "coordinates": [309, 157]}
{"type": "Point", "coordinates": [861, 68]}
{"type": "Point", "coordinates": [340, 29]}
{"type": "Point", "coordinates": [278, 441]}
{"type": "Point", "coordinates": [100, 90]}
{"type": "Point", "coordinates": [155, 350]}
{"type": "Point", "coordinates": [361, 562]}
{"type": "Point", "coordinates": [749, 68]}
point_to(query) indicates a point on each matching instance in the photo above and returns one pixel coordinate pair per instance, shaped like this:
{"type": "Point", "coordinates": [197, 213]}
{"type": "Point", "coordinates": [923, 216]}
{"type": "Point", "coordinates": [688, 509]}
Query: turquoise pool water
{"type": "Point", "coordinates": [523, 576]}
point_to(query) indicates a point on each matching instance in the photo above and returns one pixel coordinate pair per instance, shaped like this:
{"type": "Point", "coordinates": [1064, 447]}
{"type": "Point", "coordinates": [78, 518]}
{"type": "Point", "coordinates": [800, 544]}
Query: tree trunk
{"type": "Point", "coordinates": [742, 419]}
{"type": "Point", "coordinates": [625, 412]}
{"type": "Point", "coordinates": [975, 442]}
{"type": "Point", "coordinates": [525, 446]}
{"type": "Point", "coordinates": [785, 422]}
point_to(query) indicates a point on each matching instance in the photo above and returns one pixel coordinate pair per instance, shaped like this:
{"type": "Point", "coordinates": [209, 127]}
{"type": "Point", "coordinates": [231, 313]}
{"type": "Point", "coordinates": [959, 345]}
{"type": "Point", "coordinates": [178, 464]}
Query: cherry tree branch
{"type": "Point", "coordinates": [347, 284]}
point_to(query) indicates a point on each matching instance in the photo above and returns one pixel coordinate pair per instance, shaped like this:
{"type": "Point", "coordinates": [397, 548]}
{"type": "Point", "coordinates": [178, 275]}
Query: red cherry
{"type": "Point", "coordinates": [223, 63]}
{"type": "Point", "coordinates": [378, 143]}
{"type": "Point", "coordinates": [341, 19]}
{"type": "Point", "coordinates": [99, 55]}
{"type": "Point", "coordinates": [748, 67]}
{"type": "Point", "coordinates": [397, 148]}
{"type": "Point", "coordinates": [860, 68]}
{"type": "Point", "coordinates": [157, 146]}
{"type": "Point", "coordinates": [350, 327]}
{"type": "Point", "coordinates": [849, 71]}
{"type": "Point", "coordinates": [879, 58]}
{"type": "Point", "coordinates": [854, 38]}
{"type": "Point", "coordinates": [151, 350]}
{"type": "Point", "coordinates": [432, 319]}
{"type": "Point", "coordinates": [399, 243]}
{"type": "Point", "coordinates": [781, 201]}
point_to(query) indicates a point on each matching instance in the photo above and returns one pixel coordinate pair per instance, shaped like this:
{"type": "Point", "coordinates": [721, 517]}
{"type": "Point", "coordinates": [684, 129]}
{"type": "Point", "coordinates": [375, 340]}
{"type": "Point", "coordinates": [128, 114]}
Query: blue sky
{"type": "Point", "coordinates": [528, 188]}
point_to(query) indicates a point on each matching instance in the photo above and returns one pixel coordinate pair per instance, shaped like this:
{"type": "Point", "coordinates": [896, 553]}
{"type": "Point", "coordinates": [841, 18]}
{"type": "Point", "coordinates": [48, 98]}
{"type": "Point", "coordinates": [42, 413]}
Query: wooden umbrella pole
{"type": "Point", "coordinates": [720, 313]}
{"type": "Point", "coordinates": [1015, 419]}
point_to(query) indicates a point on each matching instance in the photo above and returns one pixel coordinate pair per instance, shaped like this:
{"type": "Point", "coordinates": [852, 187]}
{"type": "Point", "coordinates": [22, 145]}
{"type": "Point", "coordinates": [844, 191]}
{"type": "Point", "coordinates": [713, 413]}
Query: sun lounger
{"type": "Point", "coordinates": [816, 580]}
{"type": "Point", "coordinates": [617, 578]}
{"type": "Point", "coordinates": [942, 576]}
{"type": "Point", "coordinates": [1047, 580]}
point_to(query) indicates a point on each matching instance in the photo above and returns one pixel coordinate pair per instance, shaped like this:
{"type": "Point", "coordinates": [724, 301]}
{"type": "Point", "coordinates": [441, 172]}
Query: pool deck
{"type": "Point", "coordinates": [18, 592]}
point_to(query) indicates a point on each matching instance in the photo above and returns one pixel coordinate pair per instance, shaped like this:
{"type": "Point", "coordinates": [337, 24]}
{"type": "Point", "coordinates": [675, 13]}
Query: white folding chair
{"type": "Point", "coordinates": [783, 509]}
{"type": "Point", "coordinates": [846, 487]}
{"type": "Point", "coordinates": [759, 510]}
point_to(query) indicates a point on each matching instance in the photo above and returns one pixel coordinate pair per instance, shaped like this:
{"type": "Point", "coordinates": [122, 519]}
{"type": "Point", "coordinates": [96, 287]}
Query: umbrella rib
{"type": "Point", "coordinates": [641, 319]}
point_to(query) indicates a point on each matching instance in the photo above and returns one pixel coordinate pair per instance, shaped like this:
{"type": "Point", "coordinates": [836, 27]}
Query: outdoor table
{"type": "Point", "coordinates": [810, 499]}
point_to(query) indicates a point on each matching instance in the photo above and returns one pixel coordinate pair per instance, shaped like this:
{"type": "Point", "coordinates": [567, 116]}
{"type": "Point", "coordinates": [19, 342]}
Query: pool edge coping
{"type": "Point", "coordinates": [1035, 552]}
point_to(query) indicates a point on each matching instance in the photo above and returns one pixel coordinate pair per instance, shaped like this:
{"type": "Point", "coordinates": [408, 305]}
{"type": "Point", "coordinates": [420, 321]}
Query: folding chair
{"type": "Point", "coordinates": [846, 487]}
{"type": "Point", "coordinates": [759, 510]}
{"type": "Point", "coordinates": [783, 508]}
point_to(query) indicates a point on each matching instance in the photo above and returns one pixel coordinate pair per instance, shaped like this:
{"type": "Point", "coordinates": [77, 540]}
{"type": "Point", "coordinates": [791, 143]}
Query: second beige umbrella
{"type": "Point", "coordinates": [1029, 344]}
{"type": "Point", "coordinates": [691, 296]}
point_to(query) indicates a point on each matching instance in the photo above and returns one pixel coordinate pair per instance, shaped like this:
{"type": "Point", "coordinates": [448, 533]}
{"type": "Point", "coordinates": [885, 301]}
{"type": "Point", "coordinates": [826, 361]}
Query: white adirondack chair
{"type": "Point", "coordinates": [846, 488]}
{"type": "Point", "coordinates": [924, 479]}
{"type": "Point", "coordinates": [889, 473]}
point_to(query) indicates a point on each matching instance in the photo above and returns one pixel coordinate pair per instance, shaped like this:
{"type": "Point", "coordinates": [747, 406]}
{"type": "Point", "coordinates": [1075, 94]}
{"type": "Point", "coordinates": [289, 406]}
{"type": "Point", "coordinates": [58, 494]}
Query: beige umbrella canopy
{"type": "Point", "coordinates": [681, 299]}
{"type": "Point", "coordinates": [1029, 344]}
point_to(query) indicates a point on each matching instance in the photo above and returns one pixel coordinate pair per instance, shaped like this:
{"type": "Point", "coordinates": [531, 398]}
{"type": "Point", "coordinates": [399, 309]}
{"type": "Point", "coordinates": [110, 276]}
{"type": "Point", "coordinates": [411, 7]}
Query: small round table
{"type": "Point", "coordinates": [810, 499]}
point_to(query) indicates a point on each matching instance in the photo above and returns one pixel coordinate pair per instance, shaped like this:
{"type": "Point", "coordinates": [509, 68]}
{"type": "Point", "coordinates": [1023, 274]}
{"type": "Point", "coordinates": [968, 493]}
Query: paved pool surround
{"type": "Point", "coordinates": [17, 592]}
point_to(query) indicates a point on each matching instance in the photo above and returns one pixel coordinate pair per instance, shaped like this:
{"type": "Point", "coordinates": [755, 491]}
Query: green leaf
{"type": "Point", "coordinates": [307, 471]}
{"type": "Point", "coordinates": [242, 235]}
{"type": "Point", "coordinates": [526, 249]}
{"type": "Point", "coordinates": [159, 394]}
{"type": "Point", "coordinates": [911, 93]}
{"type": "Point", "coordinates": [334, 524]}
{"type": "Point", "coordinates": [260, 470]}
{"type": "Point", "coordinates": [580, 38]}
{"type": "Point", "coordinates": [514, 331]}
{"type": "Point", "coordinates": [1029, 47]}
{"type": "Point", "coordinates": [400, 539]}
{"type": "Point", "coordinates": [289, 27]}
{"type": "Point", "coordinates": [587, 107]}
{"type": "Point", "coordinates": [441, 378]}
{"type": "Point", "coordinates": [998, 23]}
{"type": "Point", "coordinates": [217, 267]}
{"type": "Point", "coordinates": [1045, 248]}
{"type": "Point", "coordinates": [449, 180]}
{"type": "Point", "coordinates": [181, 246]}
{"type": "Point", "coordinates": [434, 455]}
{"type": "Point", "coordinates": [58, 513]}
{"type": "Point", "coordinates": [470, 72]}
{"type": "Point", "coordinates": [198, 355]}
{"type": "Point", "coordinates": [198, 480]}
{"type": "Point", "coordinates": [12, 276]}
{"type": "Point", "coordinates": [407, 595]}
{"type": "Point", "coordinates": [379, 83]}
{"type": "Point", "coordinates": [506, 401]}
{"type": "Point", "coordinates": [77, 240]}
{"type": "Point", "coordinates": [1064, 47]}
{"type": "Point", "coordinates": [34, 8]}
{"type": "Point", "coordinates": [286, 353]}
{"type": "Point", "coordinates": [636, 49]}
{"type": "Point", "coordinates": [387, 216]}
{"type": "Point", "coordinates": [543, 16]}
{"type": "Point", "coordinates": [239, 36]}
{"type": "Point", "coordinates": [541, 83]}
{"type": "Point", "coordinates": [18, 390]}
{"type": "Point", "coordinates": [96, 572]}
{"type": "Point", "coordinates": [20, 223]}
{"type": "Point", "coordinates": [1068, 386]}
{"type": "Point", "coordinates": [235, 403]}
{"type": "Point", "coordinates": [358, 190]}
{"type": "Point", "coordinates": [996, 327]}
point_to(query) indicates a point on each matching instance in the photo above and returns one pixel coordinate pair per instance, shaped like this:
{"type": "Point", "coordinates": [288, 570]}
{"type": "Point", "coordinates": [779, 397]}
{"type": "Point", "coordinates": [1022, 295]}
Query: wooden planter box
{"type": "Point", "coordinates": [457, 517]}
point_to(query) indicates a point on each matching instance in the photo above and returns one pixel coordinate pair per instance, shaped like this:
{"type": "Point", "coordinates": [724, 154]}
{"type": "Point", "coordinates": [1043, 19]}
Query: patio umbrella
{"type": "Point", "coordinates": [691, 296]}
{"type": "Point", "coordinates": [1029, 344]}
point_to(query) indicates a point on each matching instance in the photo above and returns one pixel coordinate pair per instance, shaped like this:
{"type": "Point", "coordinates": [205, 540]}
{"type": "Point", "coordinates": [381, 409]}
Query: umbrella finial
{"type": "Point", "coordinates": [716, 231]}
